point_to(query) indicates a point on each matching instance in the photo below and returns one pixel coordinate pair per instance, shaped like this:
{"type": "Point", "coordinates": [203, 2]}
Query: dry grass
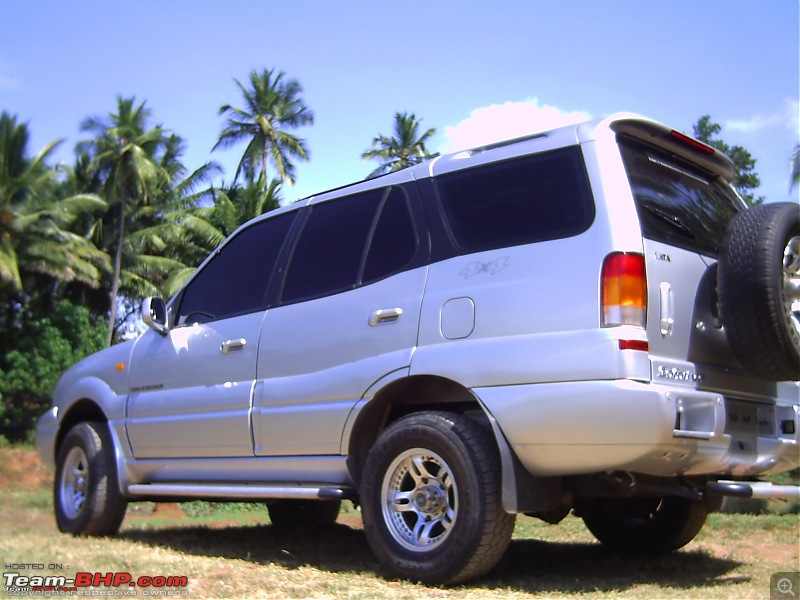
{"type": "Point", "coordinates": [239, 555]}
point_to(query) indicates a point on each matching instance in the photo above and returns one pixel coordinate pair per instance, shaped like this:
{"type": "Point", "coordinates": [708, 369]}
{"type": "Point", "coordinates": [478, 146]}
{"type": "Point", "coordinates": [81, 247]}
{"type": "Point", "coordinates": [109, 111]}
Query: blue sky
{"type": "Point", "coordinates": [469, 69]}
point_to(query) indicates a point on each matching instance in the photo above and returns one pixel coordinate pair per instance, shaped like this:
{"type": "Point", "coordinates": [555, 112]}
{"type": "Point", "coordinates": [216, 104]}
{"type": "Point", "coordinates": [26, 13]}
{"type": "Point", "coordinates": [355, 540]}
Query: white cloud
{"type": "Point", "coordinates": [788, 115]}
{"type": "Point", "coordinates": [498, 122]}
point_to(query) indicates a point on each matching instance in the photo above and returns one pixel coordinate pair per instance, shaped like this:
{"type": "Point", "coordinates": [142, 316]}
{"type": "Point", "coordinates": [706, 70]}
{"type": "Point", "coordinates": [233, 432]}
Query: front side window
{"type": "Point", "coordinates": [520, 201]}
{"type": "Point", "coordinates": [678, 203]}
{"type": "Point", "coordinates": [235, 280]}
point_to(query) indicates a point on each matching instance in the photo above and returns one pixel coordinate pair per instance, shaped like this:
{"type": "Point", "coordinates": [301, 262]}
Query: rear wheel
{"type": "Point", "coordinates": [86, 492]}
{"type": "Point", "coordinates": [645, 525]}
{"type": "Point", "coordinates": [431, 499]}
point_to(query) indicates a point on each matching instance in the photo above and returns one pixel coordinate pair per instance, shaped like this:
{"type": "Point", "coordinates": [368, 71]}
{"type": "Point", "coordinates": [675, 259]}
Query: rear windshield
{"type": "Point", "coordinates": [678, 203]}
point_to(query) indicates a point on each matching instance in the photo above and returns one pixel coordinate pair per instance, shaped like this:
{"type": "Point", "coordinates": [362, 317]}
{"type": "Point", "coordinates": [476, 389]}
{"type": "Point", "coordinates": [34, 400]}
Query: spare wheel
{"type": "Point", "coordinates": [759, 290]}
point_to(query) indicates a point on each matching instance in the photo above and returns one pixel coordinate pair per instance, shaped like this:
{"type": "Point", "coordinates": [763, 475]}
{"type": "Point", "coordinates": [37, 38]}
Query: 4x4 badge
{"type": "Point", "coordinates": [493, 267]}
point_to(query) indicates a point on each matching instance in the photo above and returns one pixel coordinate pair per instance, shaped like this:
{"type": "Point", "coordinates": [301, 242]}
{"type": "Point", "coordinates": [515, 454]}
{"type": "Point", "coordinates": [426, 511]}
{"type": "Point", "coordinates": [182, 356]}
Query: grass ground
{"type": "Point", "coordinates": [237, 554]}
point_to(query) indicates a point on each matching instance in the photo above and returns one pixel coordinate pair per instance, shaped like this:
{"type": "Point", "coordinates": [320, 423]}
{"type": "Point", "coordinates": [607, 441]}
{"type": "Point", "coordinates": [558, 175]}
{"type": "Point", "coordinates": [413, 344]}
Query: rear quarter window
{"type": "Point", "coordinates": [520, 201]}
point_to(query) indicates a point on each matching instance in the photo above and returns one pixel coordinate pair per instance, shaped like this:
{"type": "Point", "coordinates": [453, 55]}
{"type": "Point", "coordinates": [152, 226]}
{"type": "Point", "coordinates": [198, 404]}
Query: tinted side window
{"type": "Point", "coordinates": [235, 281]}
{"type": "Point", "coordinates": [328, 255]}
{"type": "Point", "coordinates": [531, 199]}
{"type": "Point", "coordinates": [394, 242]}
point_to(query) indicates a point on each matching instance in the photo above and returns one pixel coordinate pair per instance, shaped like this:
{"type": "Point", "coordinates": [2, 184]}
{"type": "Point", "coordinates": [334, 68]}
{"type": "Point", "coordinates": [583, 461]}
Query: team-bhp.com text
{"type": "Point", "coordinates": [18, 584]}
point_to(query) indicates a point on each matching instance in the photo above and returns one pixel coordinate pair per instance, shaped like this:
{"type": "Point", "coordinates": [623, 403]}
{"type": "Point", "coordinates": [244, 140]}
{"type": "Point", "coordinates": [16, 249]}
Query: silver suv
{"type": "Point", "coordinates": [587, 319]}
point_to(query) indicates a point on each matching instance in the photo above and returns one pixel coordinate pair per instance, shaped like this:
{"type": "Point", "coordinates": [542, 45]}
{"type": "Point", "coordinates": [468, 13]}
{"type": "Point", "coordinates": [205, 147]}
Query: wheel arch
{"type": "Point", "coordinates": [86, 399]}
{"type": "Point", "coordinates": [521, 491]}
{"type": "Point", "coordinates": [92, 400]}
{"type": "Point", "coordinates": [400, 397]}
{"type": "Point", "coordinates": [81, 410]}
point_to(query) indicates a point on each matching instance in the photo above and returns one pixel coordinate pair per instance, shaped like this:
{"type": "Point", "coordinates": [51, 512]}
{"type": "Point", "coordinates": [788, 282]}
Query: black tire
{"type": "Point", "coordinates": [759, 258]}
{"type": "Point", "coordinates": [452, 527]}
{"type": "Point", "coordinates": [645, 525]}
{"type": "Point", "coordinates": [291, 515]}
{"type": "Point", "coordinates": [86, 490]}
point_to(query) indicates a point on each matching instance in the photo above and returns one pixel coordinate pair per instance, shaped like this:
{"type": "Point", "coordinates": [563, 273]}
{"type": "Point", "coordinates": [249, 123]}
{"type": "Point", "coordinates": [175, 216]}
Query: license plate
{"type": "Point", "coordinates": [747, 417]}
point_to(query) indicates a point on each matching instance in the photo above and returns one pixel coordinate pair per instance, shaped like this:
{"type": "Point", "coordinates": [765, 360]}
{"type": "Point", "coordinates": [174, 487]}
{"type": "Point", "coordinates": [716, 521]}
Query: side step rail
{"type": "Point", "coordinates": [239, 491]}
{"type": "Point", "coordinates": [752, 489]}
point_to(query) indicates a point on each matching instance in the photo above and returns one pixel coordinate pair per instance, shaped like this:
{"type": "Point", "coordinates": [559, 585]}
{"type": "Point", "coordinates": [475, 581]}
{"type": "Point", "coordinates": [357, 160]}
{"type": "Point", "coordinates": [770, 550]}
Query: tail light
{"type": "Point", "coordinates": [624, 290]}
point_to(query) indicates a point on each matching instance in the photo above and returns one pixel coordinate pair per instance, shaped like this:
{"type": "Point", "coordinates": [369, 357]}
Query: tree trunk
{"type": "Point", "coordinates": [112, 317]}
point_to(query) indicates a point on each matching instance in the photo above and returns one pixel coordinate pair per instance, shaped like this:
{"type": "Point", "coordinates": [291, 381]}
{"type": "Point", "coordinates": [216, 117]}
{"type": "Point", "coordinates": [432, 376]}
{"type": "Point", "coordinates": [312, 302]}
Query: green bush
{"type": "Point", "coordinates": [41, 350]}
{"type": "Point", "coordinates": [202, 508]}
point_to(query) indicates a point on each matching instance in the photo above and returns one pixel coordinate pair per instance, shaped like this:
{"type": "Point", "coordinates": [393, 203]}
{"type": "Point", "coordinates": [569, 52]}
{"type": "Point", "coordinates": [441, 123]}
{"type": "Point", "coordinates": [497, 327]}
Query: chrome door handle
{"type": "Point", "coordinates": [384, 316]}
{"type": "Point", "coordinates": [232, 345]}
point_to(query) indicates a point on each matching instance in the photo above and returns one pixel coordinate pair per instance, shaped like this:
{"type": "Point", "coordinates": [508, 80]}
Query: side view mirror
{"type": "Point", "coordinates": [154, 314]}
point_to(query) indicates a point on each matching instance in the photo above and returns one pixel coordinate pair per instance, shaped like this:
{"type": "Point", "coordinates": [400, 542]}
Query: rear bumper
{"type": "Point", "coordinates": [593, 426]}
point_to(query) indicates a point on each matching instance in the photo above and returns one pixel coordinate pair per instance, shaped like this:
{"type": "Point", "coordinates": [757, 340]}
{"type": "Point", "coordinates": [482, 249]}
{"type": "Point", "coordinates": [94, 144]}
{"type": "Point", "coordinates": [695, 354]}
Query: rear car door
{"type": "Point", "coordinates": [349, 316]}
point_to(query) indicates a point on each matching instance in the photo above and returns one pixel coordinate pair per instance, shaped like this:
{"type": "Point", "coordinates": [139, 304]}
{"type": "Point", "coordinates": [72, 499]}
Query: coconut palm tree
{"type": "Point", "coordinates": [35, 221]}
{"type": "Point", "coordinates": [405, 148]}
{"type": "Point", "coordinates": [181, 237]}
{"type": "Point", "coordinates": [236, 205]}
{"type": "Point", "coordinates": [795, 176]}
{"type": "Point", "coordinates": [272, 106]}
{"type": "Point", "coordinates": [124, 154]}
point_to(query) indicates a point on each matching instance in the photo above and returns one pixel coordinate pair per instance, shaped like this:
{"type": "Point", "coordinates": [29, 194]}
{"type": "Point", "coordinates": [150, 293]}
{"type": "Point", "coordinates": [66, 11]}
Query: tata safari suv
{"type": "Point", "coordinates": [588, 320]}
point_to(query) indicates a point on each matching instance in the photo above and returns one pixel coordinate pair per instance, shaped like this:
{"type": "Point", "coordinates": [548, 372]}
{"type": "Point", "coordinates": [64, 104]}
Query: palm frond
{"type": "Point", "coordinates": [176, 281]}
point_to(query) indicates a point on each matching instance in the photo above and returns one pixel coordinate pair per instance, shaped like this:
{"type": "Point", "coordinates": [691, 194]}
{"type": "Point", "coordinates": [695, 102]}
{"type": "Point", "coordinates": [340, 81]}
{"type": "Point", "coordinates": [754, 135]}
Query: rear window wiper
{"type": "Point", "coordinates": [673, 220]}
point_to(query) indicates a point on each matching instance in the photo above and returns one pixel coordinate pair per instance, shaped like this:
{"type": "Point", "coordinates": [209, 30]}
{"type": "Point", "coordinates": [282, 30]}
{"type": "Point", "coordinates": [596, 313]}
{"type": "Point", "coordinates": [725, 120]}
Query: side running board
{"type": "Point", "coordinates": [752, 489]}
{"type": "Point", "coordinates": [239, 491]}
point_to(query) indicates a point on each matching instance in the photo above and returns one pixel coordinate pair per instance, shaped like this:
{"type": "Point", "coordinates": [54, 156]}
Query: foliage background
{"type": "Point", "coordinates": [46, 346]}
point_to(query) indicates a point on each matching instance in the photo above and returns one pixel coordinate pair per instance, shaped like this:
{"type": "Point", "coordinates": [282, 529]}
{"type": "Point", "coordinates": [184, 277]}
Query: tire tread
{"type": "Point", "coordinates": [750, 297]}
{"type": "Point", "coordinates": [105, 506]}
{"type": "Point", "coordinates": [496, 526]}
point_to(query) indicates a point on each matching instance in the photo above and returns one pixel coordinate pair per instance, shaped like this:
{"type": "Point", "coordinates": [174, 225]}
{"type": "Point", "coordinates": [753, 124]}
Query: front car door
{"type": "Point", "coordinates": [191, 389]}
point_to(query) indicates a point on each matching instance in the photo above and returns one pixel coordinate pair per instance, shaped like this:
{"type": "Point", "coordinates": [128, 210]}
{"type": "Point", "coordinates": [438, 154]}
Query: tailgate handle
{"type": "Point", "coordinates": [666, 309]}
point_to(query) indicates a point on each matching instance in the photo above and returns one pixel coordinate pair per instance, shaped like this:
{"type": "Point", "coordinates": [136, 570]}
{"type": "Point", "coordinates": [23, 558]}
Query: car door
{"type": "Point", "coordinates": [349, 316]}
{"type": "Point", "coordinates": [191, 389]}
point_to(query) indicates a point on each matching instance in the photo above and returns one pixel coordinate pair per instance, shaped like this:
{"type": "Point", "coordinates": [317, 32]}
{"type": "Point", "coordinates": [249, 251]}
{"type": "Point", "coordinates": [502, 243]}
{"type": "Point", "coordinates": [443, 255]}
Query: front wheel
{"type": "Point", "coordinates": [431, 499]}
{"type": "Point", "coordinates": [86, 493]}
{"type": "Point", "coordinates": [645, 525]}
